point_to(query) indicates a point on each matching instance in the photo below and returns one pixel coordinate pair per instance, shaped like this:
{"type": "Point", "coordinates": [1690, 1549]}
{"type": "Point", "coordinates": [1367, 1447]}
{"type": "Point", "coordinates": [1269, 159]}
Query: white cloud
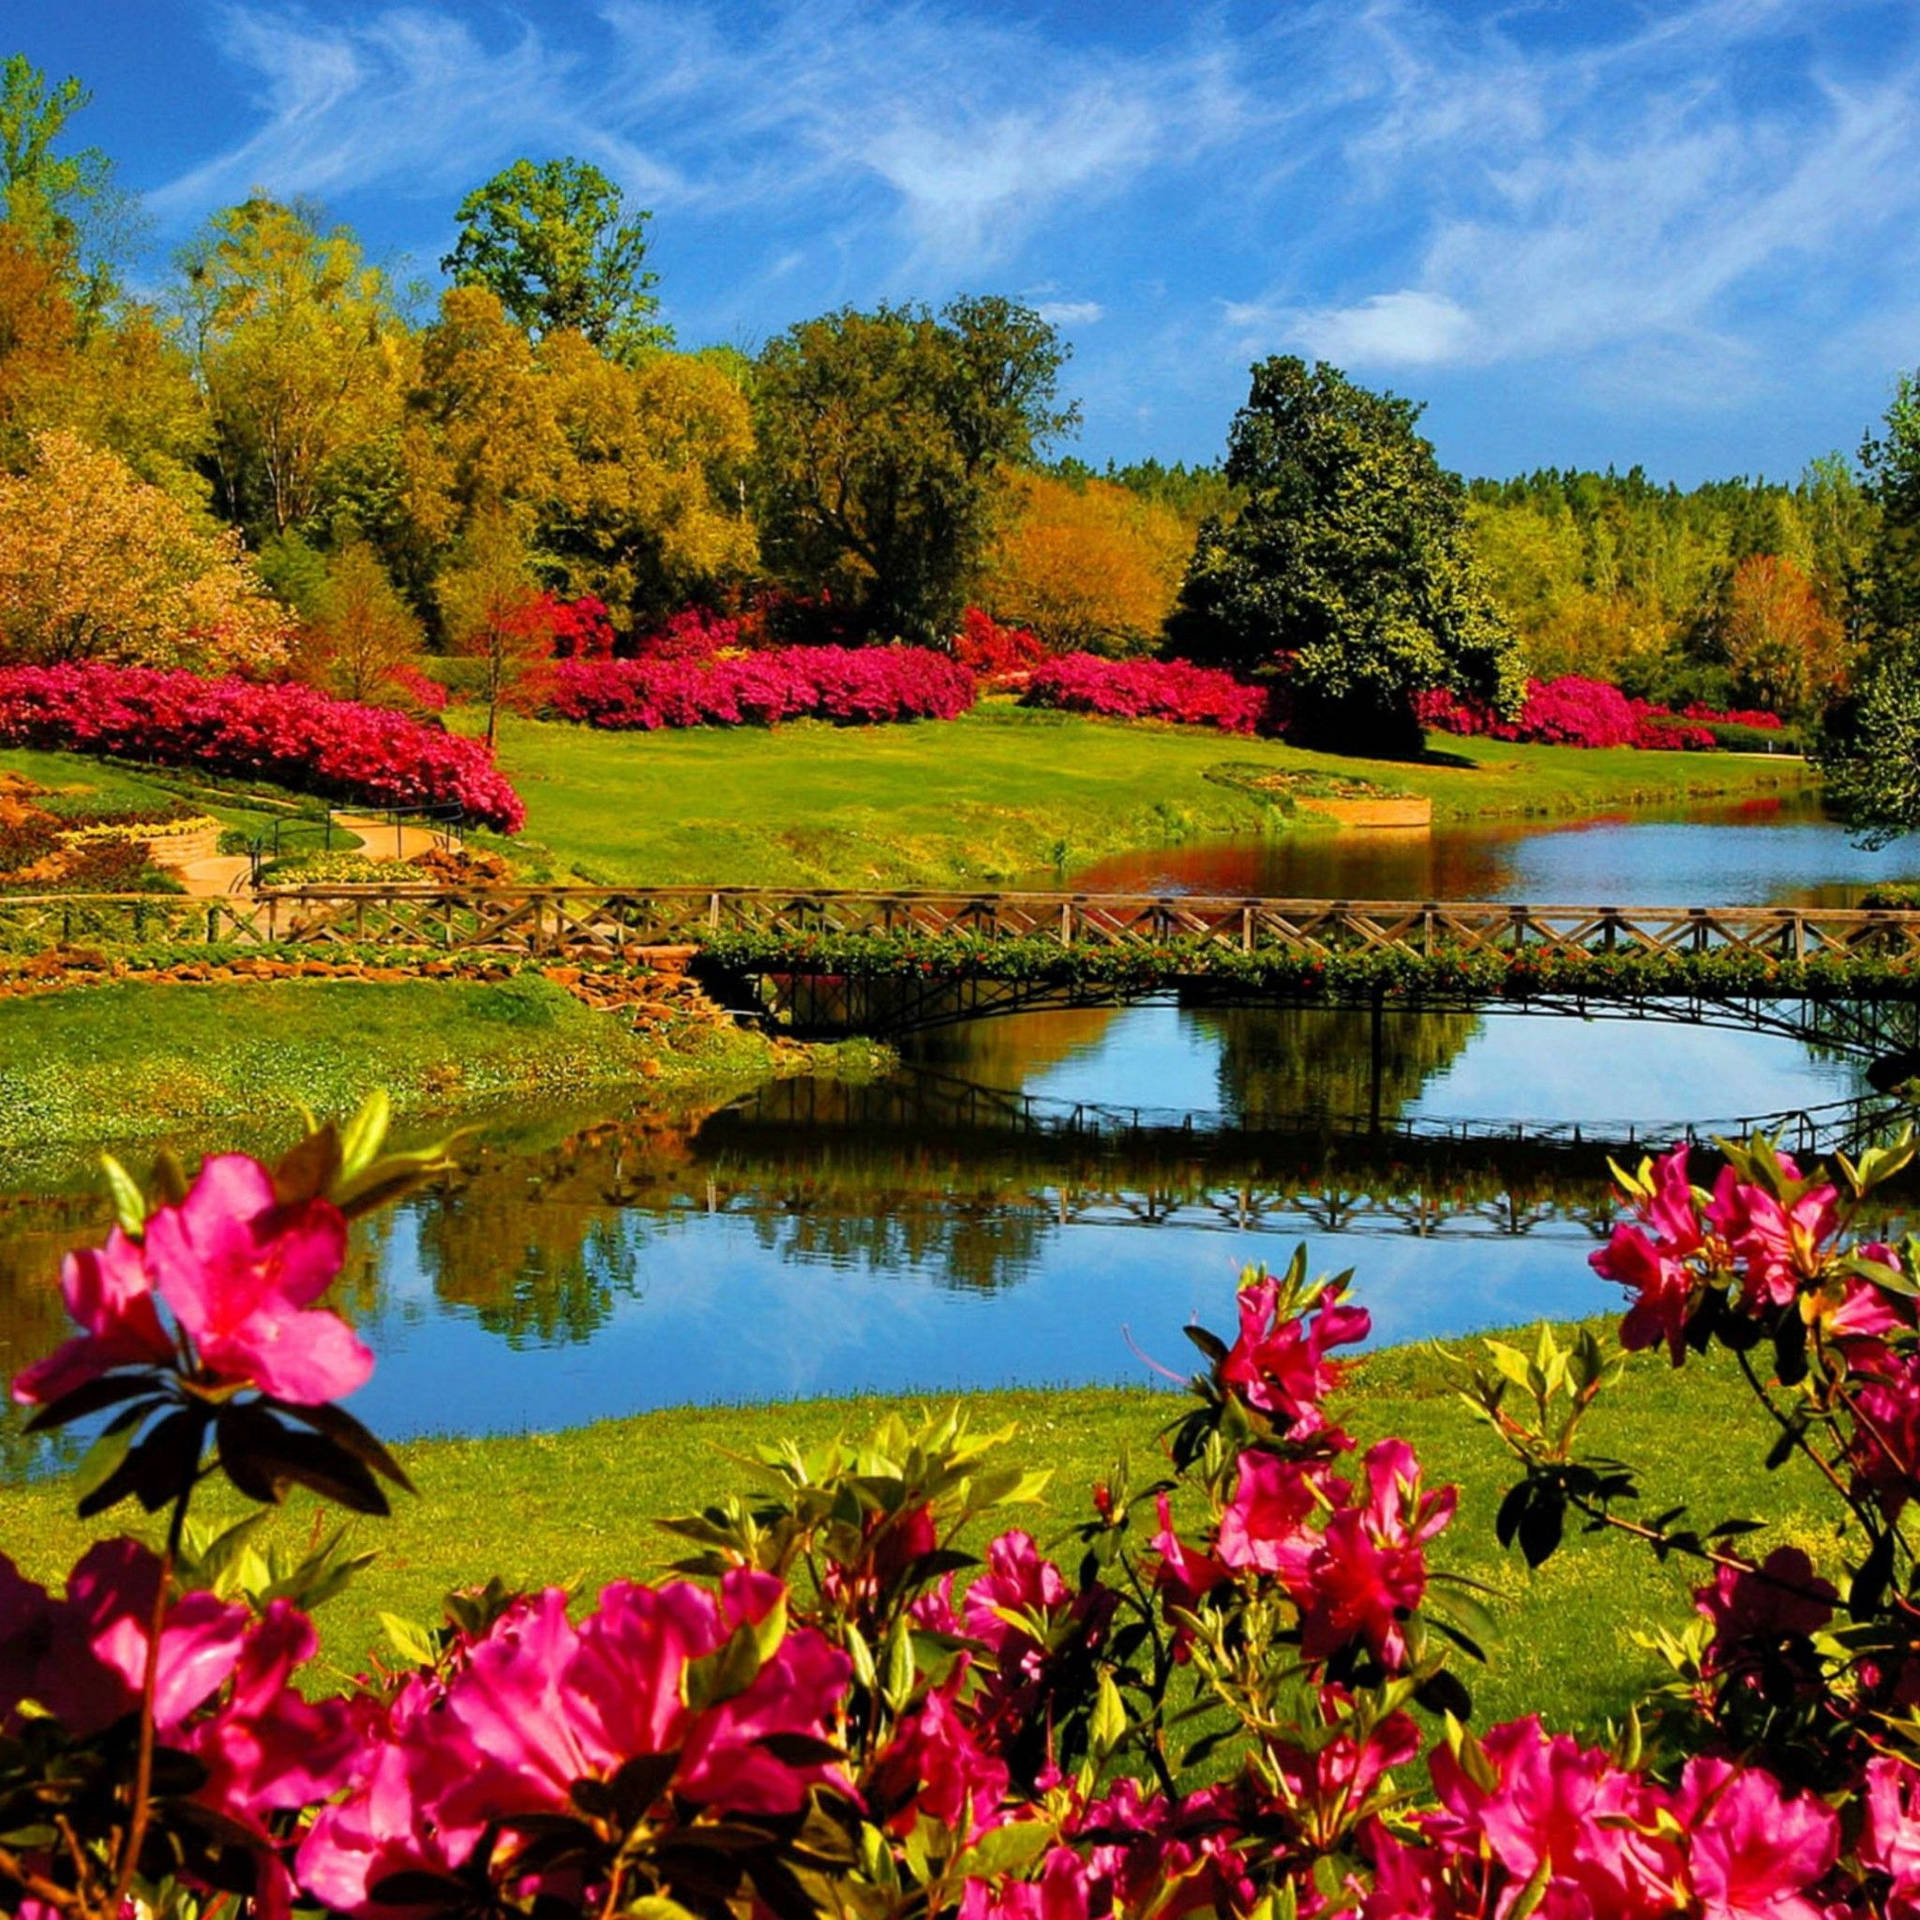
{"type": "Point", "coordinates": [1404, 329]}
{"type": "Point", "coordinates": [1070, 313]}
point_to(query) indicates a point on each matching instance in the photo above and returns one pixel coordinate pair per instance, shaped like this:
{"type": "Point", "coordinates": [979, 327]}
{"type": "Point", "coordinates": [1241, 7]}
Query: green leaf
{"type": "Point", "coordinates": [412, 1642]}
{"type": "Point", "coordinates": [365, 1135]}
{"type": "Point", "coordinates": [129, 1203]}
{"type": "Point", "coordinates": [1108, 1726]}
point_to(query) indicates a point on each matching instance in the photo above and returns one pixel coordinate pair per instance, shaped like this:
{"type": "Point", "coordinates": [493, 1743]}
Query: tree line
{"type": "Point", "coordinates": [284, 454]}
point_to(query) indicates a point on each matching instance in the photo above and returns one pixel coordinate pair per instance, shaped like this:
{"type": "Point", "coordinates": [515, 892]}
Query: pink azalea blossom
{"type": "Point", "coordinates": [1662, 1287]}
{"type": "Point", "coordinates": [240, 1271]}
{"type": "Point", "coordinates": [1785, 1596]}
{"type": "Point", "coordinates": [1280, 1366]}
{"type": "Point", "coordinates": [1891, 1843]}
{"type": "Point", "coordinates": [1554, 1800]}
{"type": "Point", "coordinates": [936, 1764]}
{"type": "Point", "coordinates": [1369, 1570]}
{"type": "Point", "coordinates": [1264, 1525]}
{"type": "Point", "coordinates": [1753, 1853]}
{"type": "Point", "coordinates": [109, 1295]}
{"type": "Point", "coordinates": [548, 1704]}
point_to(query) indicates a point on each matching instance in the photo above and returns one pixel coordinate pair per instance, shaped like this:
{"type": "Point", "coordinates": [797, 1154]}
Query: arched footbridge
{"type": "Point", "coordinates": [889, 962]}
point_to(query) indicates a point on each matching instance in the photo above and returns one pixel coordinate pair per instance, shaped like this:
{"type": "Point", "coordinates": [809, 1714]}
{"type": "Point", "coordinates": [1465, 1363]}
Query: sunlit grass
{"type": "Point", "coordinates": [1000, 794]}
{"type": "Point", "coordinates": [579, 1506]}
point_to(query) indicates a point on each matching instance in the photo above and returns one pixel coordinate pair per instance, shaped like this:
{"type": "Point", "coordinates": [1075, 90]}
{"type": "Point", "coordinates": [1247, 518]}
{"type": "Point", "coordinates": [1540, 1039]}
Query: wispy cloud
{"type": "Point", "coordinates": [1070, 313]}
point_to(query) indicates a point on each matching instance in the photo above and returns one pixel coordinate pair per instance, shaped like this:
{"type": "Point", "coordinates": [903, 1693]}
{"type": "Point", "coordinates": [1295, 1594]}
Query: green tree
{"type": "Point", "coordinates": [1870, 745]}
{"type": "Point", "coordinates": [64, 203]}
{"type": "Point", "coordinates": [885, 441]}
{"type": "Point", "coordinates": [1350, 554]}
{"type": "Point", "coordinates": [553, 241]}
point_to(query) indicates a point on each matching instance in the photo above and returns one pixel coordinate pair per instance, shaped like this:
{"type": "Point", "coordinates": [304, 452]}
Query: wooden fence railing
{"type": "Point", "coordinates": [614, 922]}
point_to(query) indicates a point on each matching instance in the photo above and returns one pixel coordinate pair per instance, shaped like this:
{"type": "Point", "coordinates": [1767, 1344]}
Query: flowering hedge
{"type": "Point", "coordinates": [1207, 1708]}
{"type": "Point", "coordinates": [857, 685]}
{"type": "Point", "coordinates": [289, 734]}
{"type": "Point", "coordinates": [1149, 690]}
{"type": "Point", "coordinates": [1577, 712]}
{"type": "Point", "coordinates": [994, 652]}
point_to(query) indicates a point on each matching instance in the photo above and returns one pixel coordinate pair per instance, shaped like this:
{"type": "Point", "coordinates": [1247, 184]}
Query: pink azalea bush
{"type": "Point", "coordinates": [862, 686]}
{"type": "Point", "coordinates": [1239, 1693]}
{"type": "Point", "coordinates": [1576, 712]}
{"type": "Point", "coordinates": [287, 733]}
{"type": "Point", "coordinates": [1172, 690]}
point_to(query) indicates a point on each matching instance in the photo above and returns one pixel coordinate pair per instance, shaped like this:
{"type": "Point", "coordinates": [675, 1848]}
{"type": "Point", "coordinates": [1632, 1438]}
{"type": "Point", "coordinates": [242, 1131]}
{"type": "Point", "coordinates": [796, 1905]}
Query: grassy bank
{"type": "Point", "coordinates": [1002, 793]}
{"type": "Point", "coordinates": [577, 1506]}
{"type": "Point", "coordinates": [133, 1060]}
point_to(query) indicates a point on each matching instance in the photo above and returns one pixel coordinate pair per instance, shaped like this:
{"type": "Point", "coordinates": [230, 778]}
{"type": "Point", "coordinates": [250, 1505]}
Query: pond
{"type": "Point", "coordinates": [958, 1226]}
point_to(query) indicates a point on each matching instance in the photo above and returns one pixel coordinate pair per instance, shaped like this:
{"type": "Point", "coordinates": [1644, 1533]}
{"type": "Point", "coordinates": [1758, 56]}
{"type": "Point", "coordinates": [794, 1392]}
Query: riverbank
{"type": "Point", "coordinates": [135, 1060]}
{"type": "Point", "coordinates": [1004, 793]}
{"type": "Point", "coordinates": [578, 1506]}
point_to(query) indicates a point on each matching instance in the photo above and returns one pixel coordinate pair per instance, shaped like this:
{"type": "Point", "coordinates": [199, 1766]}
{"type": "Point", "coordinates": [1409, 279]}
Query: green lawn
{"type": "Point", "coordinates": [578, 1505]}
{"type": "Point", "coordinates": [134, 1059]}
{"type": "Point", "coordinates": [999, 794]}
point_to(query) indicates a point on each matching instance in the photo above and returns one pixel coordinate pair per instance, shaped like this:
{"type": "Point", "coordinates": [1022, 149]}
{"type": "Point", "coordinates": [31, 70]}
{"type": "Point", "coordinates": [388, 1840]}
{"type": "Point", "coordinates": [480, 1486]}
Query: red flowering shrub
{"type": "Point", "coordinates": [1577, 712]}
{"type": "Point", "coordinates": [580, 628]}
{"type": "Point", "coordinates": [863, 686]}
{"type": "Point", "coordinates": [289, 734]}
{"type": "Point", "coordinates": [417, 689]}
{"type": "Point", "coordinates": [1734, 717]}
{"type": "Point", "coordinates": [692, 635]}
{"type": "Point", "coordinates": [994, 652]}
{"type": "Point", "coordinates": [1150, 690]}
{"type": "Point", "coordinates": [1208, 1716]}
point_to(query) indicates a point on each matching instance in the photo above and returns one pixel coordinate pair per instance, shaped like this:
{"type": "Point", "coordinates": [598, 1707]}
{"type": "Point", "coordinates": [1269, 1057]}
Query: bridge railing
{"type": "Point", "coordinates": [617, 921]}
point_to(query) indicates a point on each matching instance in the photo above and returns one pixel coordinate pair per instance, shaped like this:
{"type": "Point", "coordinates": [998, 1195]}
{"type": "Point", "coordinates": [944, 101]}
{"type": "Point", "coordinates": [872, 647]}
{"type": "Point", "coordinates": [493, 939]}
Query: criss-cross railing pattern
{"type": "Point", "coordinates": [617, 922]}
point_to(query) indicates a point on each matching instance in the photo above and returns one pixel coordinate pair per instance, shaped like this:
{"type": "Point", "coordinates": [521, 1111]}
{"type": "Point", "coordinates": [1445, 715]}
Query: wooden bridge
{"type": "Point", "coordinates": [887, 961]}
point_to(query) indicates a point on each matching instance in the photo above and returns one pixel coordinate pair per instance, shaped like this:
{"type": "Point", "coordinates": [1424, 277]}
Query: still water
{"type": "Point", "coordinates": [953, 1227]}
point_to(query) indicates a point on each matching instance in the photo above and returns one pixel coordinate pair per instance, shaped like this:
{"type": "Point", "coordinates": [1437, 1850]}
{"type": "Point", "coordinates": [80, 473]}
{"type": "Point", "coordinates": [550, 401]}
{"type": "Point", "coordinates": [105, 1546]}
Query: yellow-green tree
{"type": "Point", "coordinates": [97, 564]}
{"type": "Point", "coordinates": [299, 356]}
{"type": "Point", "coordinates": [490, 606]}
{"type": "Point", "coordinates": [1089, 566]}
{"type": "Point", "coordinates": [364, 630]}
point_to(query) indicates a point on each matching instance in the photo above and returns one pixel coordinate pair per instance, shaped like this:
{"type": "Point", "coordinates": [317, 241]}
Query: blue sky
{"type": "Point", "coordinates": [1683, 235]}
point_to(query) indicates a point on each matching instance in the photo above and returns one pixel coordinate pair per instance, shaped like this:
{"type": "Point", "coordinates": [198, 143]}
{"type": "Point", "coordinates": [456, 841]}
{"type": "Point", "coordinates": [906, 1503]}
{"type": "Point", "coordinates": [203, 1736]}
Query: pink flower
{"type": "Point", "coordinates": [935, 1765]}
{"type": "Point", "coordinates": [1182, 1575]}
{"type": "Point", "coordinates": [1061, 1893]}
{"type": "Point", "coordinates": [1753, 1854]}
{"type": "Point", "coordinates": [108, 1293]}
{"type": "Point", "coordinates": [1783, 1246]}
{"type": "Point", "coordinates": [1785, 1596]}
{"type": "Point", "coordinates": [1555, 1801]}
{"type": "Point", "coordinates": [1891, 1843]}
{"type": "Point", "coordinates": [1280, 1366]}
{"type": "Point", "coordinates": [1369, 1570]}
{"type": "Point", "coordinates": [1265, 1524]}
{"type": "Point", "coordinates": [1662, 1287]}
{"type": "Point", "coordinates": [545, 1704]}
{"type": "Point", "coordinates": [239, 1270]}
{"type": "Point", "coordinates": [1017, 1581]}
{"type": "Point", "coordinates": [268, 1748]}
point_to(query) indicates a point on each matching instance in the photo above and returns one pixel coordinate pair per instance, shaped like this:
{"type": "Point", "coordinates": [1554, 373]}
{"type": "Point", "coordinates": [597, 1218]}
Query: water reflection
{"type": "Point", "coordinates": [1773, 850]}
{"type": "Point", "coordinates": [963, 1225]}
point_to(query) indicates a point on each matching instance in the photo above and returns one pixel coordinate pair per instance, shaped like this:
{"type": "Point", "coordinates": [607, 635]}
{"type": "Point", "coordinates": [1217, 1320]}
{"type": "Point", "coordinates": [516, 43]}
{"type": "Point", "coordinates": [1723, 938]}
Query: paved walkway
{"type": "Point", "coordinates": [221, 875]}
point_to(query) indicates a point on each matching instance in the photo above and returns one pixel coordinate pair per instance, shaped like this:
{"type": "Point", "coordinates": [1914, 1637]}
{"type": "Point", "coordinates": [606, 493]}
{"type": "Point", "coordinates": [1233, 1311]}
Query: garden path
{"type": "Point", "coordinates": [221, 875]}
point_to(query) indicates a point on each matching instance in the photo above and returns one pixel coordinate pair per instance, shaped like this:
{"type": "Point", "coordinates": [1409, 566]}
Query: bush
{"type": "Point", "coordinates": [1577, 712]}
{"type": "Point", "coordinates": [1240, 1691]}
{"type": "Point", "coordinates": [287, 734]}
{"type": "Point", "coordinates": [856, 686]}
{"type": "Point", "coordinates": [995, 652]}
{"type": "Point", "coordinates": [1171, 690]}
